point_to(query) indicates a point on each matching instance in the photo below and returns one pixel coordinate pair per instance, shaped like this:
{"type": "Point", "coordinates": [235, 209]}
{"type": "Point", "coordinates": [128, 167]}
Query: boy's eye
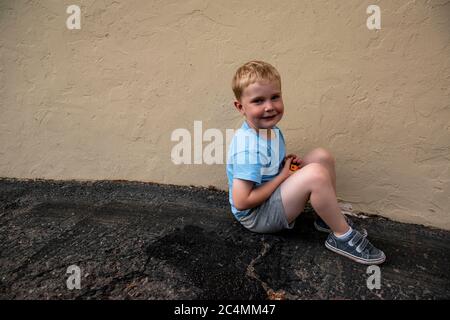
{"type": "Point", "coordinates": [259, 101]}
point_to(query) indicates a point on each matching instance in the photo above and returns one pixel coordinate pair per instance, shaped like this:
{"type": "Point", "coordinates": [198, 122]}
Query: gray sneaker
{"type": "Point", "coordinates": [320, 225]}
{"type": "Point", "coordinates": [355, 247]}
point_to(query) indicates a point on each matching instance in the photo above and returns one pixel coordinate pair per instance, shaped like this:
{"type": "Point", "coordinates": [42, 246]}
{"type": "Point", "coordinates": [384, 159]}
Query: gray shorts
{"type": "Point", "coordinates": [269, 217]}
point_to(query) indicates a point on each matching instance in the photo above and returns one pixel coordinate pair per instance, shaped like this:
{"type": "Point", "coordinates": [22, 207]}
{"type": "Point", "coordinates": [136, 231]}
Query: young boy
{"type": "Point", "coordinates": [265, 195]}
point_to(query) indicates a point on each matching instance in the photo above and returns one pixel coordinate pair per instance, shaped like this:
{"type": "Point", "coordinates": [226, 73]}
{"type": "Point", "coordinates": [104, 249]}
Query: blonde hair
{"type": "Point", "coordinates": [252, 72]}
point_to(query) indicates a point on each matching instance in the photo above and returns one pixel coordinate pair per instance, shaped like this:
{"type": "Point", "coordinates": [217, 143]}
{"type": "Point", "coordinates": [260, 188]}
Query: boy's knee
{"type": "Point", "coordinates": [317, 172]}
{"type": "Point", "coordinates": [324, 156]}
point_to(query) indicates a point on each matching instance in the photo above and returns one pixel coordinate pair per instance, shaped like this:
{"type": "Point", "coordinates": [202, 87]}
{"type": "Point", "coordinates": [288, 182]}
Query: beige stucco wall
{"type": "Point", "coordinates": [102, 102]}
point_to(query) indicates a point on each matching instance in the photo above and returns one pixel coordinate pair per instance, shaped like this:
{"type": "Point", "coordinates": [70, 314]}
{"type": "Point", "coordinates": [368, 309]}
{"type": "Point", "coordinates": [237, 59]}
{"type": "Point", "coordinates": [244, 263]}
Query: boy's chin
{"type": "Point", "coordinates": [268, 124]}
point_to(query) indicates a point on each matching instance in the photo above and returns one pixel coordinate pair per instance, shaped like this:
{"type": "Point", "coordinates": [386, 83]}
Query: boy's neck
{"type": "Point", "coordinates": [267, 134]}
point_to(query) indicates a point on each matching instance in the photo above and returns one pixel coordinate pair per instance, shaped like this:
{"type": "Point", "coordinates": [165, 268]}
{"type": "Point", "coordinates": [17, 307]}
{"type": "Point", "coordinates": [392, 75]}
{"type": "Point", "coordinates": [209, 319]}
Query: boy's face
{"type": "Point", "coordinates": [261, 104]}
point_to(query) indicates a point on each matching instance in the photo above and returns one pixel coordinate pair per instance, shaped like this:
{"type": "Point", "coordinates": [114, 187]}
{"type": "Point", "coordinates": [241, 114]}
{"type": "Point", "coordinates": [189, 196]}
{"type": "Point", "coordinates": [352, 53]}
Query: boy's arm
{"type": "Point", "coordinates": [245, 196]}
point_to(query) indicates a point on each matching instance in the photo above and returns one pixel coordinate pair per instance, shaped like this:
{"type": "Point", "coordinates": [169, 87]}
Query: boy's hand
{"type": "Point", "coordinates": [295, 160]}
{"type": "Point", "coordinates": [296, 163]}
{"type": "Point", "coordinates": [286, 171]}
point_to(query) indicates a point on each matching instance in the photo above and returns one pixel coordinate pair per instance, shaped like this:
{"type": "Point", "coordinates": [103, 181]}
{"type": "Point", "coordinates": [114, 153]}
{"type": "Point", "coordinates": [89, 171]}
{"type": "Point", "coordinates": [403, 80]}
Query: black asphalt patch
{"type": "Point", "coordinates": [217, 267]}
{"type": "Point", "coordinates": [134, 240]}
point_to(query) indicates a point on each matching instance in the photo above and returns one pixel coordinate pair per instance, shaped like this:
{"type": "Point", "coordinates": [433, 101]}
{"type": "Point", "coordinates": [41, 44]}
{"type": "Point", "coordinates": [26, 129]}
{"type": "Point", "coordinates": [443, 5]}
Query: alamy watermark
{"type": "Point", "coordinates": [74, 280]}
{"type": "Point", "coordinates": [374, 21]}
{"type": "Point", "coordinates": [74, 20]}
{"type": "Point", "coordinates": [249, 146]}
{"type": "Point", "coordinates": [374, 280]}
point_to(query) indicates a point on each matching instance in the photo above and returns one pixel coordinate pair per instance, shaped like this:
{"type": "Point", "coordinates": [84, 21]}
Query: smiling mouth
{"type": "Point", "coordinates": [271, 117]}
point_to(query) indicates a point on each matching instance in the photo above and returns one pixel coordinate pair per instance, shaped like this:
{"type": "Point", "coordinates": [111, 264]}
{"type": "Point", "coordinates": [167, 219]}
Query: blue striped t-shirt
{"type": "Point", "coordinates": [252, 157]}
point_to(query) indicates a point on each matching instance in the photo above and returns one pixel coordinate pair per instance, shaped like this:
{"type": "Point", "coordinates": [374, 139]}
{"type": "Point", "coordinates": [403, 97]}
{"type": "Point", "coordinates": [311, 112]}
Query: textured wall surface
{"type": "Point", "coordinates": [102, 102]}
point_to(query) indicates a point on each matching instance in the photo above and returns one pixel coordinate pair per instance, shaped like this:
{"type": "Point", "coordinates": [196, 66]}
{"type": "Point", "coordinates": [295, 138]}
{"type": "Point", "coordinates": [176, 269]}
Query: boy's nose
{"type": "Point", "coordinates": [269, 106]}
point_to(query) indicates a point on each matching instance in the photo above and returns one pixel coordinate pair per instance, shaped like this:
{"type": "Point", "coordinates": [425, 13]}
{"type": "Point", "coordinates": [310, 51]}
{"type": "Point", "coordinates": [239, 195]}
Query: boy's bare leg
{"type": "Point", "coordinates": [325, 158]}
{"type": "Point", "coordinates": [313, 181]}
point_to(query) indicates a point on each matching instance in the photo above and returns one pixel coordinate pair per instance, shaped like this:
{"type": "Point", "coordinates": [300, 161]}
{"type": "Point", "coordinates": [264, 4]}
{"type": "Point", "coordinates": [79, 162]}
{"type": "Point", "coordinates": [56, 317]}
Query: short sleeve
{"type": "Point", "coordinates": [246, 166]}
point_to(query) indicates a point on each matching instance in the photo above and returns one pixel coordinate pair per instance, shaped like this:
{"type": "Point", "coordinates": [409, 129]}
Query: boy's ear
{"type": "Point", "coordinates": [238, 106]}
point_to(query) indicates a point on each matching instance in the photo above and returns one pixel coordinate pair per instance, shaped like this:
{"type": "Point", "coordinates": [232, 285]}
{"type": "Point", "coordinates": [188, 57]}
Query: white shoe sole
{"type": "Point", "coordinates": [354, 258]}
